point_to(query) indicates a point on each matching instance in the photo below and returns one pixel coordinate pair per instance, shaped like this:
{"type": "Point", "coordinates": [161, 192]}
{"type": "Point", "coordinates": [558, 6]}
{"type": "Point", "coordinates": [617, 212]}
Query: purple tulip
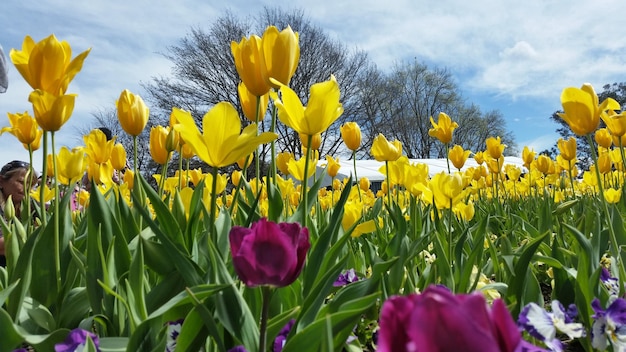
{"type": "Point", "coordinates": [438, 320]}
{"type": "Point", "coordinates": [269, 253]}
{"type": "Point", "coordinates": [76, 339]}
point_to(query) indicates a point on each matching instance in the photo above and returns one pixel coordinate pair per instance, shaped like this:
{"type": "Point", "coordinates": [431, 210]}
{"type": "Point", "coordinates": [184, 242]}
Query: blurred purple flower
{"type": "Point", "coordinates": [610, 283]}
{"type": "Point", "coordinates": [543, 325]}
{"type": "Point", "coordinates": [173, 330]}
{"type": "Point", "coordinates": [281, 339]}
{"type": "Point", "coordinates": [239, 348]}
{"type": "Point", "coordinates": [609, 325]}
{"type": "Point", "coordinates": [269, 253]}
{"type": "Point", "coordinates": [438, 320]}
{"type": "Point", "coordinates": [76, 340]}
{"type": "Point", "coordinates": [346, 278]}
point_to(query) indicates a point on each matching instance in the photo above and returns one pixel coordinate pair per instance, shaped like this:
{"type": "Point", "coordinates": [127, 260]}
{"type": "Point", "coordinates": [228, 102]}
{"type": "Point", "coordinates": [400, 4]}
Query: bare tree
{"type": "Point", "coordinates": [204, 71]}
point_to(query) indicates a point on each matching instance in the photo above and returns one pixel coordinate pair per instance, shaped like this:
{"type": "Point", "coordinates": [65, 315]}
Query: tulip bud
{"type": "Point", "coordinates": [364, 183]}
{"type": "Point", "coordinates": [132, 113]}
{"type": "Point", "coordinates": [129, 178]}
{"type": "Point", "coordinates": [158, 150]}
{"type": "Point", "coordinates": [316, 141]}
{"type": "Point", "coordinates": [118, 157]}
{"type": "Point", "coordinates": [246, 161]}
{"type": "Point", "coordinates": [603, 138]}
{"type": "Point", "coordinates": [351, 135]}
{"type": "Point", "coordinates": [172, 140]}
{"type": "Point", "coordinates": [235, 177]}
{"type": "Point", "coordinates": [9, 208]}
{"type": "Point", "coordinates": [282, 159]}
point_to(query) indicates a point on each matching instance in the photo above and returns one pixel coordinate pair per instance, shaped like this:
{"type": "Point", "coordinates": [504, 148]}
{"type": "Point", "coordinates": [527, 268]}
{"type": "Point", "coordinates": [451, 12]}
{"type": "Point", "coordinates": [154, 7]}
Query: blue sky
{"type": "Point", "coordinates": [515, 57]}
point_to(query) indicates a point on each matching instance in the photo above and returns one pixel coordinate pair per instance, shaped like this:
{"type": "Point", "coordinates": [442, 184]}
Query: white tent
{"type": "Point", "coordinates": [370, 168]}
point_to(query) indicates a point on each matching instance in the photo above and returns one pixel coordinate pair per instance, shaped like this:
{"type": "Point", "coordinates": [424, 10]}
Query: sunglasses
{"type": "Point", "coordinates": [13, 165]}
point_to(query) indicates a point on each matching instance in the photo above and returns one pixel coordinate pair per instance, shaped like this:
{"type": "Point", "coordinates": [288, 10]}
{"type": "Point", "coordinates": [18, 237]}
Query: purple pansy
{"type": "Point", "coordinates": [281, 339]}
{"type": "Point", "coordinates": [543, 325]}
{"type": "Point", "coordinates": [610, 283]}
{"type": "Point", "coordinates": [76, 340]}
{"type": "Point", "coordinates": [239, 348]}
{"type": "Point", "coordinates": [609, 325]}
{"type": "Point", "coordinates": [173, 330]}
{"type": "Point", "coordinates": [346, 278]}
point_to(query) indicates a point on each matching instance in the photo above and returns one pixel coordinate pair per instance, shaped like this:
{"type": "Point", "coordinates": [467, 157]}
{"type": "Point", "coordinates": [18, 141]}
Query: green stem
{"type": "Point", "coordinates": [447, 158]}
{"type": "Point", "coordinates": [266, 292]}
{"type": "Point", "coordinates": [388, 184]}
{"type": "Point", "coordinates": [272, 171]}
{"type": "Point", "coordinates": [44, 181]}
{"type": "Point", "coordinates": [135, 154]}
{"type": "Point", "coordinates": [57, 247]}
{"type": "Point", "coordinates": [257, 164]}
{"type": "Point", "coordinates": [356, 178]}
{"type": "Point", "coordinates": [305, 197]}
{"type": "Point", "coordinates": [164, 174]}
{"type": "Point", "coordinates": [213, 201]}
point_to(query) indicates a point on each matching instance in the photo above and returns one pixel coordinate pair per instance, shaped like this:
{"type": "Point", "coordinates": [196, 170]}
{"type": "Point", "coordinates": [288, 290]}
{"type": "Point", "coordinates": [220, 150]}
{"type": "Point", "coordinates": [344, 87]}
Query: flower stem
{"type": "Point", "coordinates": [57, 247]}
{"type": "Point", "coordinates": [266, 292]}
{"type": "Point", "coordinates": [305, 180]}
{"type": "Point", "coordinates": [213, 201]}
{"type": "Point", "coordinates": [356, 178]}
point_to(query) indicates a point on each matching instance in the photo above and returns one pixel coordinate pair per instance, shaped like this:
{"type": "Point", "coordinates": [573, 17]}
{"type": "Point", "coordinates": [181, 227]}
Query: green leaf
{"type": "Point", "coordinates": [10, 337]}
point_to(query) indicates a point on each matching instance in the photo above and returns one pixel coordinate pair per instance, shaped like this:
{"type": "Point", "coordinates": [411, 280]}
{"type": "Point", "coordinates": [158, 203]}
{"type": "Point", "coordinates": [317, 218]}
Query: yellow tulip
{"type": "Point", "coordinates": [250, 65]}
{"type": "Point", "coordinates": [118, 157]}
{"type": "Point", "coordinates": [187, 151]}
{"type": "Point", "coordinates": [495, 164]}
{"type": "Point", "coordinates": [281, 53]}
{"type": "Point", "coordinates": [47, 65]}
{"type": "Point", "coordinates": [296, 167]}
{"type": "Point", "coordinates": [332, 166]}
{"type": "Point", "coordinates": [495, 147]}
{"type": "Point", "coordinates": [364, 183]}
{"type": "Point", "coordinates": [322, 110]}
{"type": "Point", "coordinates": [220, 143]}
{"type": "Point", "coordinates": [24, 127]}
{"type": "Point", "coordinates": [613, 195]}
{"type": "Point", "coordinates": [465, 211]}
{"type": "Point", "coordinates": [245, 161]}
{"type": "Point", "coordinates": [443, 129]}
{"type": "Point", "coordinates": [581, 110]}
{"type": "Point", "coordinates": [132, 113]}
{"type": "Point", "coordinates": [51, 111]}
{"type": "Point", "coordinates": [604, 163]}
{"type": "Point", "coordinates": [567, 148]}
{"type": "Point", "coordinates": [235, 177]}
{"type": "Point", "coordinates": [603, 138]}
{"type": "Point", "coordinates": [446, 189]}
{"type": "Point", "coordinates": [101, 174]}
{"type": "Point", "coordinates": [479, 157]}
{"type": "Point", "coordinates": [282, 159]}
{"type": "Point", "coordinates": [528, 156]}
{"type": "Point", "coordinates": [249, 103]}
{"type": "Point", "coordinates": [196, 175]}
{"type": "Point", "coordinates": [512, 172]}
{"type": "Point", "coordinates": [70, 165]}
{"type": "Point", "coordinates": [129, 178]}
{"type": "Point", "coordinates": [352, 213]}
{"type": "Point", "coordinates": [158, 138]}
{"type": "Point", "coordinates": [351, 135]}
{"type": "Point", "coordinates": [383, 150]}
{"type": "Point", "coordinates": [316, 141]}
{"type": "Point", "coordinates": [615, 123]}
{"type": "Point", "coordinates": [458, 156]}
{"type": "Point", "coordinates": [97, 148]}
{"type": "Point", "coordinates": [544, 164]}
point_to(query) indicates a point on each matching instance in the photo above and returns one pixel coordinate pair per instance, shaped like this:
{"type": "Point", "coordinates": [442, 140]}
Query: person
{"type": "Point", "coordinates": [13, 178]}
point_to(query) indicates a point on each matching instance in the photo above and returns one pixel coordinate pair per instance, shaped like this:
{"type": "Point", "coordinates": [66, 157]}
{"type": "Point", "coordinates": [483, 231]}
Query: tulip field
{"type": "Point", "coordinates": [492, 258]}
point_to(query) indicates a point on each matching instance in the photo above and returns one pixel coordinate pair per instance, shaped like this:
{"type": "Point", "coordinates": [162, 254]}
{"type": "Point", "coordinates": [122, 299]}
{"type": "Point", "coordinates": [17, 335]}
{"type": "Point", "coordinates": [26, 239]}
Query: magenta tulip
{"type": "Point", "coordinates": [438, 320]}
{"type": "Point", "coordinates": [269, 253]}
